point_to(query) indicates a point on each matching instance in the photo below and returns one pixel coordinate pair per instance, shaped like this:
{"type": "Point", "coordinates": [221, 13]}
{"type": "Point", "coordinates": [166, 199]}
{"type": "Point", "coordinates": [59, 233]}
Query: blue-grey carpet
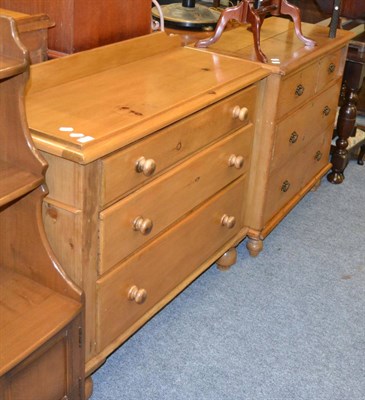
{"type": "Point", "coordinates": [287, 325]}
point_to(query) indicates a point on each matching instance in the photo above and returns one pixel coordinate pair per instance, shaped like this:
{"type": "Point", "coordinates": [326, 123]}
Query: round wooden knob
{"type": "Point", "coordinates": [235, 161]}
{"type": "Point", "coordinates": [143, 225]}
{"type": "Point", "coordinates": [240, 112]}
{"type": "Point", "coordinates": [145, 165]}
{"type": "Point", "coordinates": [137, 295]}
{"type": "Point", "coordinates": [299, 90]}
{"type": "Point", "coordinates": [228, 221]}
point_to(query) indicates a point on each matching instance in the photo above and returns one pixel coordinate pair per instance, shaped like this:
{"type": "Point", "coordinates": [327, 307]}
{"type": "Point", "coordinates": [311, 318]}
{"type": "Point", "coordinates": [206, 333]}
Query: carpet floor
{"type": "Point", "coordinates": [287, 325]}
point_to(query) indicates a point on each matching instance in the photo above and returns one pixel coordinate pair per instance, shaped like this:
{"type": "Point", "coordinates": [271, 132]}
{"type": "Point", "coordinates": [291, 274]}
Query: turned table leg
{"type": "Point", "coordinates": [294, 12]}
{"type": "Point", "coordinates": [345, 128]}
{"type": "Point", "coordinates": [255, 12]}
{"type": "Point", "coordinates": [237, 13]}
{"type": "Point", "coordinates": [346, 122]}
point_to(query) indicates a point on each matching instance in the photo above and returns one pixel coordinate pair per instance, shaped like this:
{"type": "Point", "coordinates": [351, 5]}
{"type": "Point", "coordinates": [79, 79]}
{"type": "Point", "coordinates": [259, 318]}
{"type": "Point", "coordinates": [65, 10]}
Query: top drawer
{"type": "Point", "coordinates": [142, 161]}
{"type": "Point", "coordinates": [330, 68]}
{"type": "Point", "coordinates": [299, 87]}
{"type": "Point", "coordinates": [296, 89]}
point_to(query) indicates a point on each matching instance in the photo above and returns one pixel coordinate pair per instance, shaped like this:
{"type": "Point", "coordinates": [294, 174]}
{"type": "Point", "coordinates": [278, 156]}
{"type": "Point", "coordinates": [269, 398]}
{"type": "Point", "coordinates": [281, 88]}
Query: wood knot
{"type": "Point", "coordinates": [52, 213]}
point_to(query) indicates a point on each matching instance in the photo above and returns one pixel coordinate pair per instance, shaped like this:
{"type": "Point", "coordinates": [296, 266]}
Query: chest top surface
{"type": "Point", "coordinates": [284, 51]}
{"type": "Point", "coordinates": [89, 104]}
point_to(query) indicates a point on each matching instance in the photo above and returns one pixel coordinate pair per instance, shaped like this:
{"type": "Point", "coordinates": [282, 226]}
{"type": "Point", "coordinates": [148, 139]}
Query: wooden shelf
{"type": "Point", "coordinates": [16, 182]}
{"type": "Point", "coordinates": [10, 67]}
{"type": "Point", "coordinates": [41, 311]}
{"type": "Point", "coordinates": [30, 314]}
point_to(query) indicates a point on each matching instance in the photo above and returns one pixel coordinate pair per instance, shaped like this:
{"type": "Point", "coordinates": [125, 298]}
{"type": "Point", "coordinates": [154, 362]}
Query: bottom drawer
{"type": "Point", "coordinates": [285, 182]}
{"type": "Point", "coordinates": [317, 155]}
{"type": "Point", "coordinates": [163, 264]}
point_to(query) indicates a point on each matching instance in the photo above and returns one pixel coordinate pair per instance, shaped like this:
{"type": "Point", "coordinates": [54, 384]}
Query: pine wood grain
{"type": "Point", "coordinates": [15, 182]}
{"type": "Point", "coordinates": [101, 102]}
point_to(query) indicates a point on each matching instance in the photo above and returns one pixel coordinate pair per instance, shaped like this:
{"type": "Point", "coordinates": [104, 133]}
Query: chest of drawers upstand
{"type": "Point", "coordinates": [296, 119]}
{"type": "Point", "coordinates": [149, 148]}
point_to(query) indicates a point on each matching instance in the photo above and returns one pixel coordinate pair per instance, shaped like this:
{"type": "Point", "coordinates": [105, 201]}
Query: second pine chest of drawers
{"type": "Point", "coordinates": [295, 120]}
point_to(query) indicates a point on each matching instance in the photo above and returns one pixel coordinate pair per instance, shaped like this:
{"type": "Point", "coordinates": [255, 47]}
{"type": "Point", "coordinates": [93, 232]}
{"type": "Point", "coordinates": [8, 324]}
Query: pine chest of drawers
{"type": "Point", "coordinates": [295, 120]}
{"type": "Point", "coordinates": [149, 149]}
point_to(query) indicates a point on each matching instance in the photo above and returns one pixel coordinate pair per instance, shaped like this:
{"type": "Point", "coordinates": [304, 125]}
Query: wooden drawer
{"type": "Point", "coordinates": [164, 264]}
{"type": "Point", "coordinates": [169, 197]}
{"type": "Point", "coordinates": [296, 89]}
{"type": "Point", "coordinates": [285, 182]}
{"type": "Point", "coordinates": [317, 154]}
{"type": "Point", "coordinates": [170, 145]}
{"type": "Point", "coordinates": [299, 128]}
{"type": "Point", "coordinates": [330, 68]}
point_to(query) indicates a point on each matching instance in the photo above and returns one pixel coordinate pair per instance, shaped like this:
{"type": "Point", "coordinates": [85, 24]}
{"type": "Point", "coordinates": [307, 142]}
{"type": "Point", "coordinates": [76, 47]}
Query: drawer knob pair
{"type": "Point", "coordinates": [146, 166]}
{"type": "Point", "coordinates": [143, 225]}
{"type": "Point", "coordinates": [299, 90]}
{"type": "Point", "coordinates": [240, 112]}
{"type": "Point", "coordinates": [235, 161]}
{"type": "Point", "coordinates": [139, 296]}
{"type": "Point", "coordinates": [228, 221]}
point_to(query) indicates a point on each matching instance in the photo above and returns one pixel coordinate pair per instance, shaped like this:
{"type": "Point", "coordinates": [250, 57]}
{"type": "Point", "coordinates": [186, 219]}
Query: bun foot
{"type": "Point", "coordinates": [227, 259]}
{"type": "Point", "coordinates": [254, 246]}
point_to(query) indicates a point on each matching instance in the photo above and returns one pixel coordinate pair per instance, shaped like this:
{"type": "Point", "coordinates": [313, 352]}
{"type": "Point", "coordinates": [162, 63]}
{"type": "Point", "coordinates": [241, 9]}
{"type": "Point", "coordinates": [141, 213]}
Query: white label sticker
{"type": "Point", "coordinates": [85, 139]}
{"type": "Point", "coordinates": [66, 129]}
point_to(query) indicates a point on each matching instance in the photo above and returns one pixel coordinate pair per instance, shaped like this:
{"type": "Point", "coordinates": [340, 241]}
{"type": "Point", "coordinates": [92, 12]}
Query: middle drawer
{"type": "Point", "coordinates": [300, 128]}
{"type": "Point", "coordinates": [130, 223]}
